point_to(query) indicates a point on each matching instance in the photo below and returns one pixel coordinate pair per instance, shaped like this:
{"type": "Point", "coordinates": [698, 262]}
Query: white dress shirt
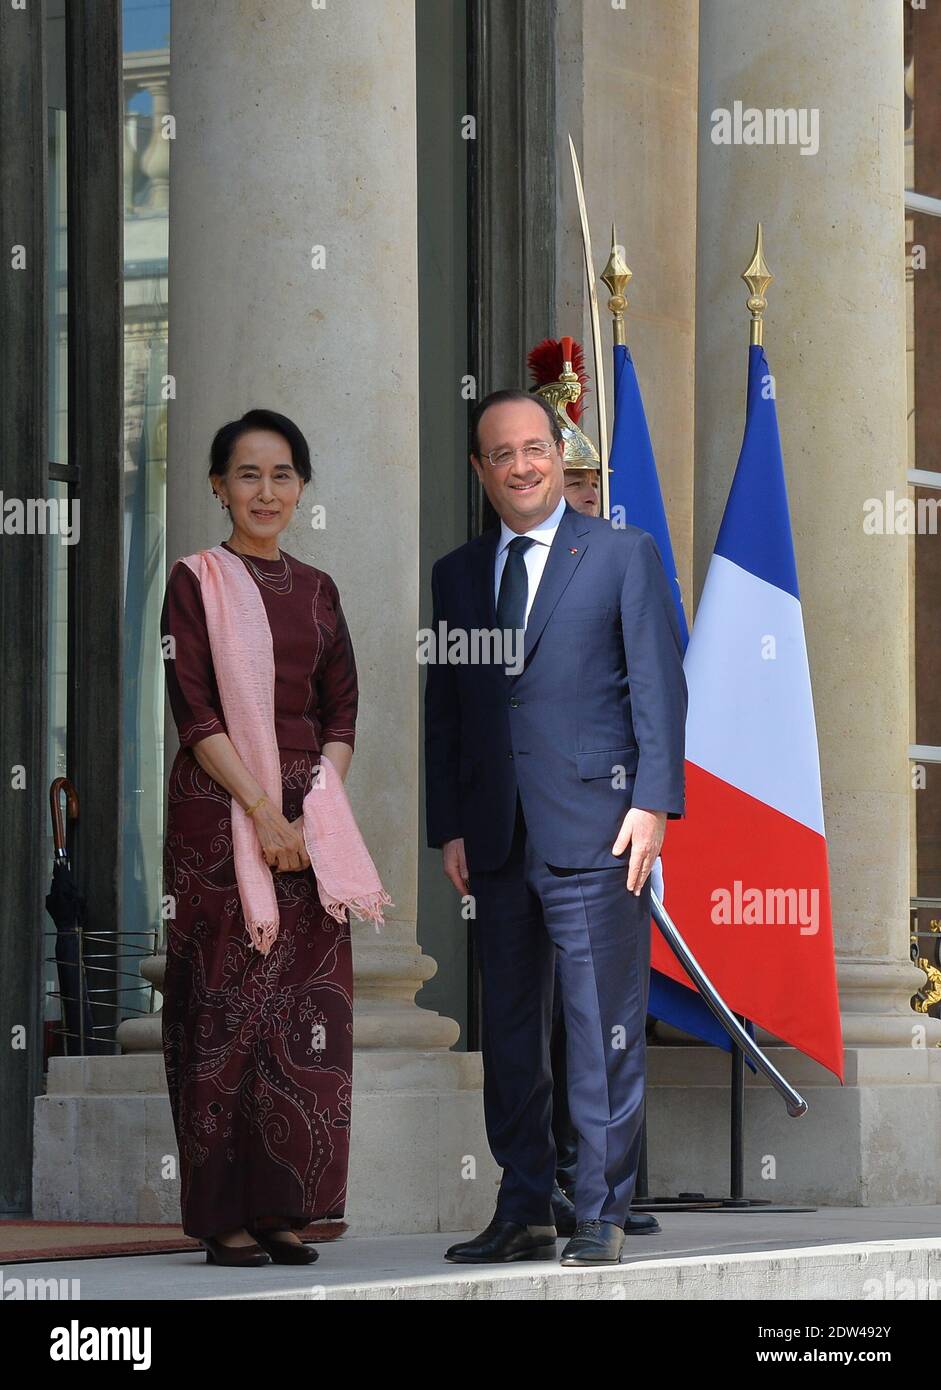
{"type": "Point", "coordinates": [535, 555]}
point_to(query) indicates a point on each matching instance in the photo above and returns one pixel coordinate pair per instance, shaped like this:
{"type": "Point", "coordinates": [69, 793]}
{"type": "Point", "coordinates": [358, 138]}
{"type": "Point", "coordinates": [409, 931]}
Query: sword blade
{"type": "Point", "coordinates": [596, 346]}
{"type": "Point", "coordinates": [796, 1105]}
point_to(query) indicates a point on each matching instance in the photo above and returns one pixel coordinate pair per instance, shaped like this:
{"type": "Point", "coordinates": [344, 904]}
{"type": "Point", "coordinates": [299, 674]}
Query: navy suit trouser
{"type": "Point", "coordinates": [530, 916]}
{"type": "Point", "coordinates": [563, 1131]}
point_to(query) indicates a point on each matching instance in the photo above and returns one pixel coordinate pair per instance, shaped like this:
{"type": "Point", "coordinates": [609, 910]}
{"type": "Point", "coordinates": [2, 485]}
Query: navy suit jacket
{"type": "Point", "coordinates": [594, 722]}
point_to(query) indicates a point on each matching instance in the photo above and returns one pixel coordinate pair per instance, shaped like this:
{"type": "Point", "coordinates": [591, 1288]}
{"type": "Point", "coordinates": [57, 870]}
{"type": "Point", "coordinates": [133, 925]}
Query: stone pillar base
{"type": "Point", "coordinates": [873, 1142]}
{"type": "Point", "coordinates": [103, 1138]}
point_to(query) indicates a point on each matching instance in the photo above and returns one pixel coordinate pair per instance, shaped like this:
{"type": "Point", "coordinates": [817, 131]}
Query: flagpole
{"type": "Point", "coordinates": [757, 277]}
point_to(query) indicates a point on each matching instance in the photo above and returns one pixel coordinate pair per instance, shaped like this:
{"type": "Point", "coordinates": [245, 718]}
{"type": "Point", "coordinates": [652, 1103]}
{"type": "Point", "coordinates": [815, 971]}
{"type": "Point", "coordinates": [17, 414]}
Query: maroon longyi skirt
{"type": "Point", "coordinates": [258, 1049]}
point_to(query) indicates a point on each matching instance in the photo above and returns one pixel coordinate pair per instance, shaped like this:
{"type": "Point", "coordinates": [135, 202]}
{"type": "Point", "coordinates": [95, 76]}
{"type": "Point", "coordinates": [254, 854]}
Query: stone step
{"type": "Point", "coordinates": [888, 1254]}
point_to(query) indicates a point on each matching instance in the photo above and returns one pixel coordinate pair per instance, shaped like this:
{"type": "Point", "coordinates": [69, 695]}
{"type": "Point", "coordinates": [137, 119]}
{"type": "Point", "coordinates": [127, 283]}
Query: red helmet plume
{"type": "Point", "coordinates": [545, 365]}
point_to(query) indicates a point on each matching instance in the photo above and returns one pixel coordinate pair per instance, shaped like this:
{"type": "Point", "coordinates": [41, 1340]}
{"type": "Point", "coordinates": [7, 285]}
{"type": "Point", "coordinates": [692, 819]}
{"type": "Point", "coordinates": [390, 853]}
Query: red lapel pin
{"type": "Point", "coordinates": [573, 551]}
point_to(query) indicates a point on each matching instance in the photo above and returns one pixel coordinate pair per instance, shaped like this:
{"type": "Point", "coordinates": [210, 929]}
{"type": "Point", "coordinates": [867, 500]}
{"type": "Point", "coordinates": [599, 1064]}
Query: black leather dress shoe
{"type": "Point", "coordinates": [594, 1243]}
{"type": "Point", "coordinates": [638, 1223]}
{"type": "Point", "coordinates": [563, 1212]}
{"type": "Point", "coordinates": [641, 1223]}
{"type": "Point", "coordinates": [504, 1241]}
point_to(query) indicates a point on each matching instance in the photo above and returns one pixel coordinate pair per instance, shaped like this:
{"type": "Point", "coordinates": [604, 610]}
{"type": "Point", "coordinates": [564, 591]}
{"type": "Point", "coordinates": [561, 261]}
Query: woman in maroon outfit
{"type": "Point", "coordinates": [258, 1048]}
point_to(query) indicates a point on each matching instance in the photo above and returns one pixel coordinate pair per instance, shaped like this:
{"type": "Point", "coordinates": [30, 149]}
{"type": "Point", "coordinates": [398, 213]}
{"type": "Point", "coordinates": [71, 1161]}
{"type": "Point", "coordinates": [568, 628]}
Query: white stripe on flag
{"type": "Point", "coordinates": [751, 714]}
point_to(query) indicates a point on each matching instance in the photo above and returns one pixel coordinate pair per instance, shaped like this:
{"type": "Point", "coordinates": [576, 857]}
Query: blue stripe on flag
{"type": "Point", "coordinates": [756, 531]}
{"type": "Point", "coordinates": [635, 486]}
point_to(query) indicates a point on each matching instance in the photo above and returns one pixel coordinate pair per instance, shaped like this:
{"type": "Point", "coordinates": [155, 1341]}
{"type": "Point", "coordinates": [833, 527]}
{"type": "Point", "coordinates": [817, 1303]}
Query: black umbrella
{"type": "Point", "coordinates": [66, 907]}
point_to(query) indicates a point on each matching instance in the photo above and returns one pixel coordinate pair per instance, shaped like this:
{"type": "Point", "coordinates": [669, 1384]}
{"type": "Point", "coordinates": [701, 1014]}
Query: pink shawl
{"type": "Point", "coordinates": [243, 659]}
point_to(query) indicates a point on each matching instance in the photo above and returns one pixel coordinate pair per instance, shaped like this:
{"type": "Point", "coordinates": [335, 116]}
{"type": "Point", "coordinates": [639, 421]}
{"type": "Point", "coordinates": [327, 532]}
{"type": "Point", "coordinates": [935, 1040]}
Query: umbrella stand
{"type": "Point", "coordinates": [66, 907]}
{"type": "Point", "coordinates": [88, 983]}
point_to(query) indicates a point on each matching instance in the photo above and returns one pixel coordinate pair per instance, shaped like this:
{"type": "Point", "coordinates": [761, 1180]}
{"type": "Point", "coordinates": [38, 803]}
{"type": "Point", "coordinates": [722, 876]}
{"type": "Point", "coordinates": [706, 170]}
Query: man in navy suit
{"type": "Point", "coordinates": [543, 768]}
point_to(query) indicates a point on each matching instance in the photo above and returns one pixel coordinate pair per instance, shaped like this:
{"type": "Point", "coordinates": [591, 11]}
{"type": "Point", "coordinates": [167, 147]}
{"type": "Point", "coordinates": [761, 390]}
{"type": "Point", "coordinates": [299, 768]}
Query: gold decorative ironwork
{"type": "Point", "coordinates": [930, 993]}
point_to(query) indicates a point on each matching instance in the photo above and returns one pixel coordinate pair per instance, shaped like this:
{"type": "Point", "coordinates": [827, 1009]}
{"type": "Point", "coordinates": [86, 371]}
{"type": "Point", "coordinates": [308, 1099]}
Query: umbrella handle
{"type": "Point", "coordinates": [57, 786]}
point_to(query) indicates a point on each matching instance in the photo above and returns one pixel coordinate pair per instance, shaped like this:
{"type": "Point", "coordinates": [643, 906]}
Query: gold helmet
{"type": "Point", "coordinates": [557, 367]}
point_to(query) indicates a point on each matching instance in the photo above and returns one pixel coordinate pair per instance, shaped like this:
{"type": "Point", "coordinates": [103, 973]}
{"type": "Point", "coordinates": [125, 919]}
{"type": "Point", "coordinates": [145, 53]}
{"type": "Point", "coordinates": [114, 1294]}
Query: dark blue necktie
{"type": "Point", "coordinates": [514, 586]}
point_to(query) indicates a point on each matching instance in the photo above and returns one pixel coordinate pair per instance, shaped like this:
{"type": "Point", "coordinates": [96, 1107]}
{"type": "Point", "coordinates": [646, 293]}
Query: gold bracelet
{"type": "Point", "coordinates": [250, 810]}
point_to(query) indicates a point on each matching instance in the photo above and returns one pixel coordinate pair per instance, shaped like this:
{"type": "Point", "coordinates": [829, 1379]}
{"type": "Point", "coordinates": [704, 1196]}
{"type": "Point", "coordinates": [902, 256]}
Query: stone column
{"type": "Point", "coordinates": [626, 90]}
{"type": "Point", "coordinates": [835, 337]}
{"type": "Point", "coordinates": [293, 285]}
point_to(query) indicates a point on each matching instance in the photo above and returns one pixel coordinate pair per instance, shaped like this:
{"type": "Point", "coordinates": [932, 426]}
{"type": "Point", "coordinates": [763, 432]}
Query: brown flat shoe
{"type": "Point", "coordinates": [246, 1256]}
{"type": "Point", "coordinates": [285, 1252]}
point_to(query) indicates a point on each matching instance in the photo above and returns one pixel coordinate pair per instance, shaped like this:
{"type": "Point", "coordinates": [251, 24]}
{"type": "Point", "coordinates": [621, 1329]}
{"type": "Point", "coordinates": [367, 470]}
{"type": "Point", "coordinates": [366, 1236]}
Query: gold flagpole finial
{"type": "Point", "coordinates": [616, 275]}
{"type": "Point", "coordinates": [757, 277]}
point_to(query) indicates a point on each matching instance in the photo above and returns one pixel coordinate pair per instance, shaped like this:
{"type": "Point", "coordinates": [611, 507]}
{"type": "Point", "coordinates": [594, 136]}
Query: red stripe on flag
{"type": "Point", "coordinates": [736, 857]}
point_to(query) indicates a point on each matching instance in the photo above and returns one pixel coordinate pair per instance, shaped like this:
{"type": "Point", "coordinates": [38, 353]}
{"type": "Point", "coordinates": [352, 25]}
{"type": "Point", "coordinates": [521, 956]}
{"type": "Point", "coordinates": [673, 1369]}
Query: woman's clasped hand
{"type": "Point", "coordinates": [281, 840]}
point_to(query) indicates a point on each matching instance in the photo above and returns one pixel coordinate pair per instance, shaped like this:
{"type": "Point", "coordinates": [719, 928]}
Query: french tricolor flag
{"type": "Point", "coordinates": [747, 867]}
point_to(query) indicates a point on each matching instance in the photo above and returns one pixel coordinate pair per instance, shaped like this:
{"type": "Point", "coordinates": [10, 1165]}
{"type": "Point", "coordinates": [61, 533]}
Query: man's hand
{"type": "Point", "coordinates": [643, 831]}
{"type": "Point", "coordinates": [454, 864]}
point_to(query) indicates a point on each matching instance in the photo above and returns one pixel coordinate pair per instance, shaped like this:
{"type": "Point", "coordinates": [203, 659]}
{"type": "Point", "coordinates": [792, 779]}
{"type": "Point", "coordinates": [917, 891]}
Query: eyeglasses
{"type": "Point", "coordinates": [537, 452]}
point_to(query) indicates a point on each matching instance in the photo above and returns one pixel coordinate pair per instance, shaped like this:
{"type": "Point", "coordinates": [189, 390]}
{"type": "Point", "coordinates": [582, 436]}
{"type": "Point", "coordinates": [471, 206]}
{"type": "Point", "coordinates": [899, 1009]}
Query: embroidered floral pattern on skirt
{"type": "Point", "coordinates": [258, 1049]}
